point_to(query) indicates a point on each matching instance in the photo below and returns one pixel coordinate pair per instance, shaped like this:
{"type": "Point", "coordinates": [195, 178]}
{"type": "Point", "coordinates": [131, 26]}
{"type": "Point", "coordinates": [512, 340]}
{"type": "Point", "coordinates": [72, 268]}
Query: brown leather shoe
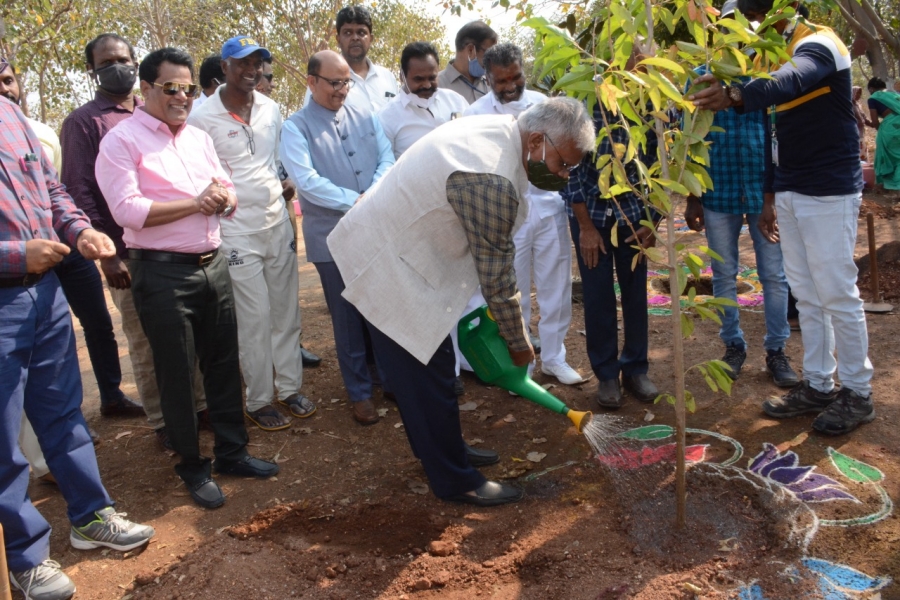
{"type": "Point", "coordinates": [364, 412]}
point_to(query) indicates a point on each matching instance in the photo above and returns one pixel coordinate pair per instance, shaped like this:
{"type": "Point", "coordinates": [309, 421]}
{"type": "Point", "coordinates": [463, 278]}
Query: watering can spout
{"type": "Point", "coordinates": [487, 352]}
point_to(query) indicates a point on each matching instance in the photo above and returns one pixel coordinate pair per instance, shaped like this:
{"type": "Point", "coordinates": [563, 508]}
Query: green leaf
{"type": "Point", "coordinates": [687, 324]}
{"type": "Point", "coordinates": [614, 236]}
{"type": "Point", "coordinates": [853, 469]}
{"type": "Point", "coordinates": [689, 402]}
{"type": "Point", "coordinates": [663, 63]}
{"type": "Point", "coordinates": [650, 432]}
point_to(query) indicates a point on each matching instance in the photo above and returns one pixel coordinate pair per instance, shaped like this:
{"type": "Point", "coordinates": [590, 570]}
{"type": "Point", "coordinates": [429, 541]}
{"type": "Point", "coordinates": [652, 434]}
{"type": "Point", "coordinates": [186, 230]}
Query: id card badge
{"type": "Point", "coordinates": [775, 151]}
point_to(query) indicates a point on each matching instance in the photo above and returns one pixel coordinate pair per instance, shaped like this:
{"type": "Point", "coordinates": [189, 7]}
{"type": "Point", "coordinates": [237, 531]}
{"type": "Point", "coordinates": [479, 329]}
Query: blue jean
{"type": "Point", "coordinates": [39, 374]}
{"type": "Point", "coordinates": [81, 282]}
{"type": "Point", "coordinates": [722, 232]}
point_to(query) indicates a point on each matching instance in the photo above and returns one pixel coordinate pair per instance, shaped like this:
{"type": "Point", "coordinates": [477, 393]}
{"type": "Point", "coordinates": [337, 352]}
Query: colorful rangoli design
{"type": "Point", "coordinates": [782, 469]}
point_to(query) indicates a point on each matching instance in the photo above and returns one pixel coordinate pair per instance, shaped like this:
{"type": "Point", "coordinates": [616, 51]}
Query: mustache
{"type": "Point", "coordinates": [10, 97]}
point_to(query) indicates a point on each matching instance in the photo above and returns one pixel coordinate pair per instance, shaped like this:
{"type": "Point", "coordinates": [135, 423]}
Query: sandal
{"type": "Point", "coordinates": [299, 405]}
{"type": "Point", "coordinates": [268, 412]}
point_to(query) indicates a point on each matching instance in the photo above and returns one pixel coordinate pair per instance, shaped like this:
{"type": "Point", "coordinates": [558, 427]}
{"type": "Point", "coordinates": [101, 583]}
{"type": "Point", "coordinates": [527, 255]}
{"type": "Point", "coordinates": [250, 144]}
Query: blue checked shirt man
{"type": "Point", "coordinates": [737, 170]}
{"type": "Point", "coordinates": [592, 219]}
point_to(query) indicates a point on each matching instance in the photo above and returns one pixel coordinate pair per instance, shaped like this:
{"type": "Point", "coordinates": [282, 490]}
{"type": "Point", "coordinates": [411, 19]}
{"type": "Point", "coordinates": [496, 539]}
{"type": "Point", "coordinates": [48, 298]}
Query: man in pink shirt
{"type": "Point", "coordinates": [165, 186]}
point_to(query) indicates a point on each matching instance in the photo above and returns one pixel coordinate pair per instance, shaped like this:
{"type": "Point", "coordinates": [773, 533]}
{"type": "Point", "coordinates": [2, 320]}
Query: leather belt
{"type": "Point", "coordinates": [25, 281]}
{"type": "Point", "coordinates": [178, 258]}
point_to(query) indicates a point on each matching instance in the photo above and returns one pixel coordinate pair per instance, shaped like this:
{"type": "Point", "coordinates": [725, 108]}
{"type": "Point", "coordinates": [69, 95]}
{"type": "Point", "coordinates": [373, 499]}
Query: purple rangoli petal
{"type": "Point", "coordinates": [814, 481]}
{"type": "Point", "coordinates": [824, 494]}
{"type": "Point", "coordinates": [788, 475]}
{"type": "Point", "coordinates": [763, 458]}
{"type": "Point", "coordinates": [787, 460]}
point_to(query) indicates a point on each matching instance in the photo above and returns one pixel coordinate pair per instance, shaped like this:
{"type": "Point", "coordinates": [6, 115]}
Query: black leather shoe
{"type": "Point", "coordinates": [309, 359]}
{"type": "Point", "coordinates": [247, 467]}
{"type": "Point", "coordinates": [126, 407]}
{"type": "Point", "coordinates": [491, 493]}
{"type": "Point", "coordinates": [609, 394]}
{"type": "Point", "coordinates": [481, 458]}
{"type": "Point", "coordinates": [207, 494]}
{"type": "Point", "coordinates": [640, 387]}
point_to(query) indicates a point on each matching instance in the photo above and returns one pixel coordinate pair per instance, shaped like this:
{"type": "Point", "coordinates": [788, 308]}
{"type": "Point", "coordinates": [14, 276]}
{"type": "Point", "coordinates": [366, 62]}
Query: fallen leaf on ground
{"type": "Point", "coordinates": [536, 456]}
{"type": "Point", "coordinates": [514, 459]}
{"type": "Point", "coordinates": [468, 406]}
{"type": "Point", "coordinates": [398, 425]}
{"type": "Point", "coordinates": [548, 386]}
{"type": "Point", "coordinates": [475, 441]}
{"type": "Point", "coordinates": [648, 416]}
{"type": "Point", "coordinates": [509, 419]}
{"type": "Point", "coordinates": [303, 430]}
{"type": "Point", "coordinates": [123, 434]}
{"type": "Point", "coordinates": [382, 412]}
{"type": "Point", "coordinates": [333, 400]}
{"type": "Point", "coordinates": [417, 487]}
{"type": "Point", "coordinates": [538, 440]}
{"type": "Point", "coordinates": [484, 416]}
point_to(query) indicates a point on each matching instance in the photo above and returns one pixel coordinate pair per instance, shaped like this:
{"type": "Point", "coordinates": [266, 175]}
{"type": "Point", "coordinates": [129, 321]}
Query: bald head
{"type": "Point", "coordinates": [326, 71]}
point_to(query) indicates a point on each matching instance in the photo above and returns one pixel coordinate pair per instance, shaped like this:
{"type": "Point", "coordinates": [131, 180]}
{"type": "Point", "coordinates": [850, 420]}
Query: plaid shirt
{"type": "Point", "coordinates": [737, 164]}
{"type": "Point", "coordinates": [486, 205]}
{"type": "Point", "coordinates": [583, 188]}
{"type": "Point", "coordinates": [33, 204]}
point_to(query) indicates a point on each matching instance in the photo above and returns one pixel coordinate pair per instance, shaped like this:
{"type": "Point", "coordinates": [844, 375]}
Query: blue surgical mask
{"type": "Point", "coordinates": [475, 68]}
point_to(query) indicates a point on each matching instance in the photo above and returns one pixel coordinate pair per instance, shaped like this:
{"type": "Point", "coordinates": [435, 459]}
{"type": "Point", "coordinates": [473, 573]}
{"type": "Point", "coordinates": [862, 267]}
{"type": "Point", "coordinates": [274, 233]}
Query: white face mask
{"type": "Point", "coordinates": [421, 102]}
{"type": "Point", "coordinates": [514, 108]}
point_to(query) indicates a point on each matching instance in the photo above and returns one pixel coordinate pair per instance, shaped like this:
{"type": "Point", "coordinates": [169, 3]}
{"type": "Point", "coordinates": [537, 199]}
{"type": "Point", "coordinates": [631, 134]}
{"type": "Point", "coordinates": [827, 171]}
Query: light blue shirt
{"type": "Point", "coordinates": [297, 160]}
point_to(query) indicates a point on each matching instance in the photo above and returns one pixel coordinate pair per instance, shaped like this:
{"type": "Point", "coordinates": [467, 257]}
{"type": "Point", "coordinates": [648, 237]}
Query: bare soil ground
{"type": "Point", "coordinates": [349, 517]}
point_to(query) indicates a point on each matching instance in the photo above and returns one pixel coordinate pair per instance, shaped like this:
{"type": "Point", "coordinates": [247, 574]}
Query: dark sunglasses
{"type": "Point", "coordinates": [170, 88]}
{"type": "Point", "coordinates": [337, 84]}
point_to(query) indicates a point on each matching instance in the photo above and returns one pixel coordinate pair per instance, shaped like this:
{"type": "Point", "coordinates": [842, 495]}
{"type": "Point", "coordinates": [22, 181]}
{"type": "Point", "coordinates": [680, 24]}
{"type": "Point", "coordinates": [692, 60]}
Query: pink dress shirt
{"type": "Point", "coordinates": [141, 162]}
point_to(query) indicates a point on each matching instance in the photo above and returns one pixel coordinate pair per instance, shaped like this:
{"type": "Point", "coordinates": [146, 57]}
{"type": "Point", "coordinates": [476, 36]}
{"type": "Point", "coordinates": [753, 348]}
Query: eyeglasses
{"type": "Point", "coordinates": [170, 88]}
{"type": "Point", "coordinates": [337, 84]}
{"type": "Point", "coordinates": [269, 76]}
{"type": "Point", "coordinates": [565, 165]}
{"type": "Point", "coordinates": [251, 145]}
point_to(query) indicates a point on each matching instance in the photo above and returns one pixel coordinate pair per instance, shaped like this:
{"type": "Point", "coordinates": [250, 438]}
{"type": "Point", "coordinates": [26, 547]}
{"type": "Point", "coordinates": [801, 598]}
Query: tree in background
{"type": "Point", "coordinates": [45, 39]}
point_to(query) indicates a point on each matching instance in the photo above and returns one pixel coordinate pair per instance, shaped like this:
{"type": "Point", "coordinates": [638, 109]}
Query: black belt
{"type": "Point", "coordinates": [179, 258]}
{"type": "Point", "coordinates": [25, 281]}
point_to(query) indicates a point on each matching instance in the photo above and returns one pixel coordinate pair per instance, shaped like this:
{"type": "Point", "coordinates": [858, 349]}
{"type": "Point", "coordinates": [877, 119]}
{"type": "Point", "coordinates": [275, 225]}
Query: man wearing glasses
{"type": "Point", "coordinates": [334, 152]}
{"type": "Point", "coordinates": [166, 188]}
{"type": "Point", "coordinates": [110, 62]}
{"type": "Point", "coordinates": [465, 73]}
{"type": "Point", "coordinates": [258, 240]}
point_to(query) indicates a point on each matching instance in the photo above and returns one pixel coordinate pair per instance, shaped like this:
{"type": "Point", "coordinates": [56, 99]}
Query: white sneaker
{"type": "Point", "coordinates": [43, 582]}
{"type": "Point", "coordinates": [564, 373]}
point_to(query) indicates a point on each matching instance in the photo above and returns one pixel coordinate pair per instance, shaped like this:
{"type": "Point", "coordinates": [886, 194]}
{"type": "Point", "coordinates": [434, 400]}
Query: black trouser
{"type": "Point", "coordinates": [600, 310]}
{"type": "Point", "coordinates": [80, 280]}
{"type": "Point", "coordinates": [430, 412]}
{"type": "Point", "coordinates": [188, 314]}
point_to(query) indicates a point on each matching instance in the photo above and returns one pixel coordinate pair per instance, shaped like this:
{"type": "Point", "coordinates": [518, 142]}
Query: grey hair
{"type": "Point", "coordinates": [562, 120]}
{"type": "Point", "coordinates": [503, 55]}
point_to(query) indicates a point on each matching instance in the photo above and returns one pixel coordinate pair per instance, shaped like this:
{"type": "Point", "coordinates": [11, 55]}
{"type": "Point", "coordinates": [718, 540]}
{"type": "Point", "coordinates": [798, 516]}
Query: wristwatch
{"type": "Point", "coordinates": [735, 94]}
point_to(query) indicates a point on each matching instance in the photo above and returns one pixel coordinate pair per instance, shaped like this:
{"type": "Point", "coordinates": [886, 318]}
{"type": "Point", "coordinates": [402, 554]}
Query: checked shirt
{"type": "Point", "coordinates": [486, 205]}
{"type": "Point", "coordinates": [33, 204]}
{"type": "Point", "coordinates": [583, 188]}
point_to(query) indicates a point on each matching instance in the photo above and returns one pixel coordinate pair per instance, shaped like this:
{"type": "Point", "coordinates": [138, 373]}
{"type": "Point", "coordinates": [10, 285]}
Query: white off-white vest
{"type": "Point", "coordinates": [403, 252]}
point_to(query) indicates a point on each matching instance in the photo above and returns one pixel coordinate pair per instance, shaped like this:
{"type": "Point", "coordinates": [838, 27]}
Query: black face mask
{"type": "Point", "coordinates": [541, 177]}
{"type": "Point", "coordinates": [117, 79]}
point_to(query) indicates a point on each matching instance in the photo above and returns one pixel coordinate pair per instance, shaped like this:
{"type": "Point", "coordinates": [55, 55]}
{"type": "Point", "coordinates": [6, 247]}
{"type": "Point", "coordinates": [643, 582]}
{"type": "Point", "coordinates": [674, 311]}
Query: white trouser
{"type": "Point", "coordinates": [141, 356]}
{"type": "Point", "coordinates": [32, 449]}
{"type": "Point", "coordinates": [263, 269]}
{"type": "Point", "coordinates": [818, 236]}
{"type": "Point", "coordinates": [546, 246]}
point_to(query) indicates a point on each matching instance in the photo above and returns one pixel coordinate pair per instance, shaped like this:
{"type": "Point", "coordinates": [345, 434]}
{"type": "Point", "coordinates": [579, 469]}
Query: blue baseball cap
{"type": "Point", "coordinates": [241, 46]}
